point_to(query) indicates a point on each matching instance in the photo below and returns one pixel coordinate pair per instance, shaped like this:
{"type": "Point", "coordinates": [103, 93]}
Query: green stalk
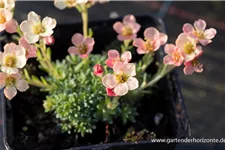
{"type": "Point", "coordinates": [159, 75]}
{"type": "Point", "coordinates": [84, 14]}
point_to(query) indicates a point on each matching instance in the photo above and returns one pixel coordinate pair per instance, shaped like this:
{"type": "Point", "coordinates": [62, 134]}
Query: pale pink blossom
{"type": "Point", "coordinates": [110, 92]}
{"type": "Point", "coordinates": [174, 56]}
{"type": "Point", "coordinates": [7, 4]}
{"type": "Point", "coordinates": [188, 46]}
{"type": "Point", "coordinates": [153, 40]}
{"type": "Point", "coordinates": [98, 70]}
{"type": "Point", "coordinates": [193, 65]}
{"type": "Point", "coordinates": [31, 50]}
{"type": "Point", "coordinates": [6, 21]}
{"type": "Point", "coordinates": [114, 56]}
{"type": "Point", "coordinates": [122, 80]}
{"type": "Point", "coordinates": [62, 4]}
{"type": "Point", "coordinates": [49, 40]}
{"type": "Point", "coordinates": [12, 58]}
{"type": "Point", "coordinates": [127, 29]}
{"type": "Point", "coordinates": [200, 32]}
{"type": "Point", "coordinates": [34, 29]}
{"type": "Point", "coordinates": [11, 82]}
{"type": "Point", "coordinates": [83, 46]}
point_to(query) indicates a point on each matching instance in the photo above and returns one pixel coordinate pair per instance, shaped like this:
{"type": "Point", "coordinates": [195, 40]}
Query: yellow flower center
{"type": "Point", "coordinates": [82, 49]}
{"type": "Point", "coordinates": [10, 81]}
{"type": "Point", "coordinates": [121, 78]}
{"type": "Point", "coordinates": [149, 46]}
{"type": "Point", "coordinates": [189, 48]}
{"type": "Point", "coordinates": [2, 19]}
{"type": "Point", "coordinates": [10, 61]}
{"type": "Point", "coordinates": [2, 4]}
{"type": "Point", "coordinates": [127, 31]}
{"type": "Point", "coordinates": [176, 56]}
{"type": "Point", "coordinates": [37, 29]}
{"type": "Point", "coordinates": [71, 3]}
{"type": "Point", "coordinates": [199, 34]}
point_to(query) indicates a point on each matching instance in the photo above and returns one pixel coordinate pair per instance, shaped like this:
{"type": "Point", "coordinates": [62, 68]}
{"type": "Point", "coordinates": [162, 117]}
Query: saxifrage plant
{"type": "Point", "coordinates": [84, 89]}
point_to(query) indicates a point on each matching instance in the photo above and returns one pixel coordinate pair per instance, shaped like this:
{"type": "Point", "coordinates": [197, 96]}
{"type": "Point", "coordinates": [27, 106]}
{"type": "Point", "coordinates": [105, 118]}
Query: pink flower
{"type": "Point", "coordinates": [199, 32]}
{"type": "Point", "coordinates": [193, 65]}
{"type": "Point", "coordinates": [188, 46]}
{"type": "Point", "coordinates": [114, 56]}
{"type": "Point", "coordinates": [122, 80]}
{"type": "Point", "coordinates": [83, 46]}
{"type": "Point", "coordinates": [174, 56]}
{"type": "Point", "coordinates": [98, 70]}
{"type": "Point", "coordinates": [6, 21]}
{"type": "Point", "coordinates": [34, 29]}
{"type": "Point", "coordinates": [154, 39]}
{"type": "Point", "coordinates": [12, 58]}
{"type": "Point", "coordinates": [49, 40]}
{"type": "Point", "coordinates": [31, 50]}
{"type": "Point", "coordinates": [127, 29]}
{"type": "Point", "coordinates": [110, 92]}
{"type": "Point", "coordinates": [11, 83]}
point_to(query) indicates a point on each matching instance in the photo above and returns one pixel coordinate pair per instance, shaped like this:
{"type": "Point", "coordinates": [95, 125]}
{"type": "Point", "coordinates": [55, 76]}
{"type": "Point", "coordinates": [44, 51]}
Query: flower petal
{"type": "Point", "coordinates": [129, 18]}
{"type": "Point", "coordinates": [126, 56]}
{"type": "Point", "coordinates": [33, 18]}
{"type": "Point", "coordinates": [187, 28]}
{"type": "Point", "coordinates": [11, 26]}
{"type": "Point", "coordinates": [2, 79]}
{"type": "Point", "coordinates": [49, 23]}
{"type": "Point", "coordinates": [31, 38]}
{"type": "Point", "coordinates": [142, 51]}
{"type": "Point", "coordinates": [210, 33]}
{"type": "Point", "coordinates": [73, 50]}
{"type": "Point", "coordinates": [123, 38]}
{"type": "Point", "coordinates": [168, 60]}
{"type": "Point", "coordinates": [118, 27]}
{"type": "Point", "coordinates": [22, 85]}
{"type": "Point", "coordinates": [60, 4]}
{"type": "Point", "coordinates": [205, 42]}
{"type": "Point", "coordinates": [200, 25]}
{"type": "Point", "coordinates": [118, 67]}
{"type": "Point", "coordinates": [163, 38]}
{"type": "Point", "coordinates": [132, 83]}
{"type": "Point", "coordinates": [188, 69]}
{"type": "Point", "coordinates": [110, 63]}
{"type": "Point", "coordinates": [151, 33]}
{"type": "Point", "coordinates": [121, 89]}
{"type": "Point", "coordinates": [113, 54]}
{"type": "Point", "coordinates": [10, 92]}
{"type": "Point", "coordinates": [156, 45]}
{"type": "Point", "coordinates": [139, 43]}
{"type": "Point", "coordinates": [24, 43]}
{"type": "Point", "coordinates": [135, 27]}
{"type": "Point", "coordinates": [21, 61]}
{"type": "Point", "coordinates": [169, 48]}
{"type": "Point", "coordinates": [89, 41]}
{"type": "Point", "coordinates": [109, 81]}
{"type": "Point", "coordinates": [77, 39]}
{"type": "Point", "coordinates": [129, 69]}
{"type": "Point", "coordinates": [26, 27]}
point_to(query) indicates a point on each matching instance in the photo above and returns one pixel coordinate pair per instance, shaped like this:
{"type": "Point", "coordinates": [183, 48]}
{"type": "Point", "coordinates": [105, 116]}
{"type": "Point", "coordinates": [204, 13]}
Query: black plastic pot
{"type": "Point", "coordinates": [103, 33]}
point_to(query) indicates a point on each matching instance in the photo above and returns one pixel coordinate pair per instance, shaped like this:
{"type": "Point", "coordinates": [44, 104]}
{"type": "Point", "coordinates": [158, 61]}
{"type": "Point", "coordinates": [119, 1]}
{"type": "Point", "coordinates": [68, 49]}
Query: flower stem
{"type": "Point", "coordinates": [84, 14]}
{"type": "Point", "coordinates": [159, 75]}
{"type": "Point", "coordinates": [46, 62]}
{"type": "Point", "coordinates": [125, 46]}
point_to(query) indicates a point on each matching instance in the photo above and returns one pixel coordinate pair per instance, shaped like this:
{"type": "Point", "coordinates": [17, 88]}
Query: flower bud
{"type": "Point", "coordinates": [98, 70]}
{"type": "Point", "coordinates": [110, 92]}
{"type": "Point", "coordinates": [49, 40]}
